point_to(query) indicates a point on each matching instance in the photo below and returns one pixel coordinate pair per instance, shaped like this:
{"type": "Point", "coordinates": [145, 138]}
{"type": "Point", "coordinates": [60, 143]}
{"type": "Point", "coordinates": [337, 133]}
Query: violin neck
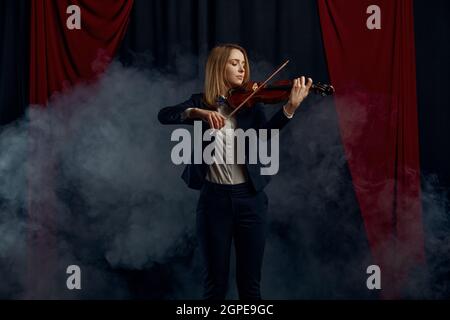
{"type": "Point", "coordinates": [283, 87]}
{"type": "Point", "coordinates": [318, 88]}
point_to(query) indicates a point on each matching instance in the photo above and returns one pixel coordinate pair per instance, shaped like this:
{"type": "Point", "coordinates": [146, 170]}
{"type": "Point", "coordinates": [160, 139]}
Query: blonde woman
{"type": "Point", "coordinates": [232, 203]}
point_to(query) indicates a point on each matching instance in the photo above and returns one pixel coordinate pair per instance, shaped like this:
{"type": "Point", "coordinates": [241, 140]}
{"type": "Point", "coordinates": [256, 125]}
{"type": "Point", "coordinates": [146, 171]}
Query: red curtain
{"type": "Point", "coordinates": [60, 58]}
{"type": "Point", "coordinates": [371, 59]}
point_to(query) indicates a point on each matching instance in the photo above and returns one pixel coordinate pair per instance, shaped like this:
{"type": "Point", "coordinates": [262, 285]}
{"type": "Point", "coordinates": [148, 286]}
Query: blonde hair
{"type": "Point", "coordinates": [215, 81]}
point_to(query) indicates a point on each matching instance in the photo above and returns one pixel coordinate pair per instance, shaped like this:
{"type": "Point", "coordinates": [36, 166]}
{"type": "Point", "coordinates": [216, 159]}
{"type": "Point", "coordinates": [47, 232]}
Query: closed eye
{"type": "Point", "coordinates": [235, 62]}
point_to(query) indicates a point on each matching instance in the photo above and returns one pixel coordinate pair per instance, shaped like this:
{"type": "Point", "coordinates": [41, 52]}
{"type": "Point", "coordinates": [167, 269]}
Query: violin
{"type": "Point", "coordinates": [252, 92]}
{"type": "Point", "coordinates": [277, 92]}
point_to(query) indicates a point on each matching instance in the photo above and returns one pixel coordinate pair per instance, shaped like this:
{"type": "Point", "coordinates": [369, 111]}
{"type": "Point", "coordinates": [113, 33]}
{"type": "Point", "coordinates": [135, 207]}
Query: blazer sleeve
{"type": "Point", "coordinates": [174, 114]}
{"type": "Point", "coordinates": [277, 121]}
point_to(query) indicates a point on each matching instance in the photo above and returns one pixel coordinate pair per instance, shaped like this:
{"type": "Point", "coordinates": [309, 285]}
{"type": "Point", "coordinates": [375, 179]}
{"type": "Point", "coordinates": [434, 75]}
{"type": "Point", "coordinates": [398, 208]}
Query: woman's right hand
{"type": "Point", "coordinates": [214, 118]}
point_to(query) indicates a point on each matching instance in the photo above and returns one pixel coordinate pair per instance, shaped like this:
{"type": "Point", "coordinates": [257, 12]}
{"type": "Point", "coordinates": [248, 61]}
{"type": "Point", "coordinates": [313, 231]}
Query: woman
{"type": "Point", "coordinates": [232, 203]}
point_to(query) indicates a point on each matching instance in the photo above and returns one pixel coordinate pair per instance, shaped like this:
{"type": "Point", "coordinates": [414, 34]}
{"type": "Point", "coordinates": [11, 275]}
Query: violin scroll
{"type": "Point", "coordinates": [322, 89]}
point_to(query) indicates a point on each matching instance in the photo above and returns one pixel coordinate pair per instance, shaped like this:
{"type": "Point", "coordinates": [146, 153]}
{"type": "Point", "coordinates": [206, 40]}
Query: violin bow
{"type": "Point", "coordinates": [257, 89]}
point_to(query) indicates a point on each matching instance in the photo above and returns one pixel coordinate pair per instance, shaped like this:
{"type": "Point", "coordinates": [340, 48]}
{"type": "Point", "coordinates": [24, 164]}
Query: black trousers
{"type": "Point", "coordinates": [226, 212]}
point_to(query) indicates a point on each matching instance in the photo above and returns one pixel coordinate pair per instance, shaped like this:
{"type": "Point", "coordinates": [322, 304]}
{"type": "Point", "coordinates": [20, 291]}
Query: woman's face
{"type": "Point", "coordinates": [234, 70]}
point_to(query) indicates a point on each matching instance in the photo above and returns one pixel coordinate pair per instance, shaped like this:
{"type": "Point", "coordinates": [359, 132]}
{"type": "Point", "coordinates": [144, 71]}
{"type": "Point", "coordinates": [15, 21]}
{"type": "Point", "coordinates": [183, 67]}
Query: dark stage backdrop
{"type": "Point", "coordinates": [432, 29]}
{"type": "Point", "coordinates": [159, 32]}
{"type": "Point", "coordinates": [14, 59]}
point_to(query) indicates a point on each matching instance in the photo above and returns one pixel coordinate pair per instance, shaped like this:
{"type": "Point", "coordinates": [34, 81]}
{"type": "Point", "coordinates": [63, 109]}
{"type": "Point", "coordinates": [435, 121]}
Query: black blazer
{"type": "Point", "coordinates": [194, 174]}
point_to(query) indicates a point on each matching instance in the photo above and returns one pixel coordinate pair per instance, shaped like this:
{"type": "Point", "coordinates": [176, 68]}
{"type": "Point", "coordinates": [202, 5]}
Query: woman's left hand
{"type": "Point", "coordinates": [299, 91]}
